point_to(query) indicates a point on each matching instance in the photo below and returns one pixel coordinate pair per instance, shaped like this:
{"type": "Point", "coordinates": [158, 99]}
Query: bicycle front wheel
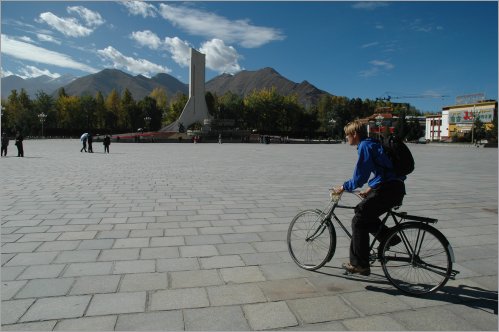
{"type": "Point", "coordinates": [311, 239]}
{"type": "Point", "coordinates": [420, 263]}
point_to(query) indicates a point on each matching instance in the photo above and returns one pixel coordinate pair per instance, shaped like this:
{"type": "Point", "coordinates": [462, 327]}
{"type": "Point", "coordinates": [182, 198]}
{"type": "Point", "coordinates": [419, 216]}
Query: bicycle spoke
{"type": "Point", "coordinates": [310, 239]}
{"type": "Point", "coordinates": [419, 273]}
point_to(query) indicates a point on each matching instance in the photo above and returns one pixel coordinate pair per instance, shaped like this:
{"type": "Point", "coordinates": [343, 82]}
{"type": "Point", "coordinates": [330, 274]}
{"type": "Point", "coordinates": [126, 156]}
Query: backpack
{"type": "Point", "coordinates": [401, 157]}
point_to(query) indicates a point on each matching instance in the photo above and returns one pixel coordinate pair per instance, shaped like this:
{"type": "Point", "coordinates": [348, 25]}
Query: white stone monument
{"type": "Point", "coordinates": [196, 109]}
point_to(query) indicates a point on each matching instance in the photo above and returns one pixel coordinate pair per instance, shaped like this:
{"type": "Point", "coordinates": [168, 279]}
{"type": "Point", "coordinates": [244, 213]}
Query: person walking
{"type": "Point", "coordinates": [90, 139]}
{"type": "Point", "coordinates": [5, 144]}
{"type": "Point", "coordinates": [19, 144]}
{"type": "Point", "coordinates": [106, 142]}
{"type": "Point", "coordinates": [385, 190]}
{"type": "Point", "coordinates": [83, 139]}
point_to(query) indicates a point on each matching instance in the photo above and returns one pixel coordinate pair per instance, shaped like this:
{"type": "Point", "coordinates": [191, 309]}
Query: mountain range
{"type": "Point", "coordinates": [140, 86]}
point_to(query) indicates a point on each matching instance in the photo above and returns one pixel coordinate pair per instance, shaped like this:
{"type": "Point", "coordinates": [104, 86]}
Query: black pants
{"type": "Point", "coordinates": [20, 150]}
{"type": "Point", "coordinates": [366, 219]}
{"type": "Point", "coordinates": [4, 150]}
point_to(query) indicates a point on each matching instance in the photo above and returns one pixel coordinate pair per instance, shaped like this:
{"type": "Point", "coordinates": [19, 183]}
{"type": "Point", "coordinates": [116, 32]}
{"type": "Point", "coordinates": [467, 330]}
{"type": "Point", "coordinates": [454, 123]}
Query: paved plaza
{"type": "Point", "coordinates": [193, 237]}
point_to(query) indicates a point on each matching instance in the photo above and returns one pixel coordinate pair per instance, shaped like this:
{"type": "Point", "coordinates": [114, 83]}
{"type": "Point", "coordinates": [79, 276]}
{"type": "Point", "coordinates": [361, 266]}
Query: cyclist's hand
{"type": "Point", "coordinates": [364, 193]}
{"type": "Point", "coordinates": [337, 190]}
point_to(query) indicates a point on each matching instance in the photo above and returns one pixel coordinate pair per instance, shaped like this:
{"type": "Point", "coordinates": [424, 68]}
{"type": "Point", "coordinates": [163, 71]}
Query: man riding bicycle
{"type": "Point", "coordinates": [385, 190]}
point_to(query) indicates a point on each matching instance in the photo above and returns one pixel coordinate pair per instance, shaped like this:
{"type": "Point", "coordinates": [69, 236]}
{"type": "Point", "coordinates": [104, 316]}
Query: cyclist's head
{"type": "Point", "coordinates": [356, 127]}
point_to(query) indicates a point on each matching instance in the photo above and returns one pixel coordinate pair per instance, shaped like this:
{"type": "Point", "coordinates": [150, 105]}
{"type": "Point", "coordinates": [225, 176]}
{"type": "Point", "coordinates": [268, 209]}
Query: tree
{"type": "Point", "coordinates": [159, 94]}
{"type": "Point", "coordinates": [113, 115]}
{"type": "Point", "coordinates": [44, 103]}
{"type": "Point", "coordinates": [149, 108]}
{"type": "Point", "coordinates": [414, 130]}
{"type": "Point", "coordinates": [176, 107]}
{"type": "Point", "coordinates": [210, 103]}
{"type": "Point", "coordinates": [128, 111]}
{"type": "Point", "coordinates": [401, 128]}
{"type": "Point", "coordinates": [100, 111]}
{"type": "Point", "coordinates": [478, 130]}
{"type": "Point", "coordinates": [87, 113]}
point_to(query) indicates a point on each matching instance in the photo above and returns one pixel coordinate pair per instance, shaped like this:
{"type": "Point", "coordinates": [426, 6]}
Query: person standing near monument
{"type": "Point", "coordinates": [83, 139]}
{"type": "Point", "coordinates": [19, 144]}
{"type": "Point", "coordinates": [106, 142]}
{"type": "Point", "coordinates": [90, 139]}
{"type": "Point", "coordinates": [5, 144]}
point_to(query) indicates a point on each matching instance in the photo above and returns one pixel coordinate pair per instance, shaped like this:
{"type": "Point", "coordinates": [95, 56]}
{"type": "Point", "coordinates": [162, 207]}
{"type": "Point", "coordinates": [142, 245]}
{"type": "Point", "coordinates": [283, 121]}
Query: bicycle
{"type": "Point", "coordinates": [420, 263]}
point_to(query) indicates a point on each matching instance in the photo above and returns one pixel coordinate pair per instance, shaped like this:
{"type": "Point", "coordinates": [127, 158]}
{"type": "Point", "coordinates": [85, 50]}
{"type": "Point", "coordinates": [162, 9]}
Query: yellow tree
{"type": "Point", "coordinates": [113, 107]}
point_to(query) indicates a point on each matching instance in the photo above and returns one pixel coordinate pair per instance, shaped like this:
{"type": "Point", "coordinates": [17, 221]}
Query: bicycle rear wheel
{"type": "Point", "coordinates": [421, 263]}
{"type": "Point", "coordinates": [311, 239]}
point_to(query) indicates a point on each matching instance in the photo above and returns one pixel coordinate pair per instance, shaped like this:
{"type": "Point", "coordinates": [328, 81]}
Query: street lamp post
{"type": "Point", "coordinates": [473, 123]}
{"type": "Point", "coordinates": [147, 119]}
{"type": "Point", "coordinates": [42, 116]}
{"type": "Point", "coordinates": [333, 126]}
{"type": "Point", "coordinates": [379, 121]}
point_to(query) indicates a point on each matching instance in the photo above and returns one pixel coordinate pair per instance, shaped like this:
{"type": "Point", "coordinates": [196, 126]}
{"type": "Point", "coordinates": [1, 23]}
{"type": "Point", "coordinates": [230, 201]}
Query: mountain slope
{"type": "Point", "coordinates": [245, 82]}
{"type": "Point", "coordinates": [33, 85]}
{"type": "Point", "coordinates": [108, 79]}
{"type": "Point", "coordinates": [242, 83]}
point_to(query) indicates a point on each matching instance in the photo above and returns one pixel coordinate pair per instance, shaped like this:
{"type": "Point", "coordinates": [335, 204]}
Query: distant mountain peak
{"type": "Point", "coordinates": [246, 81]}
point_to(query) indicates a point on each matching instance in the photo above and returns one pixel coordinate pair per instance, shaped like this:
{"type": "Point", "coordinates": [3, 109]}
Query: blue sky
{"type": "Point", "coordinates": [426, 53]}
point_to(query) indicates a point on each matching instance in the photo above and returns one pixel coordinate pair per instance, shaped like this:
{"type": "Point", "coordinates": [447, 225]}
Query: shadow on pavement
{"type": "Point", "coordinates": [473, 297]}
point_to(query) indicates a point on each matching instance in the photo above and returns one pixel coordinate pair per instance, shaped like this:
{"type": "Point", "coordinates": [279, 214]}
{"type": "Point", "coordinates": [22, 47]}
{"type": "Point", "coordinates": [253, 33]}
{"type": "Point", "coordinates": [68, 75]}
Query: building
{"type": "Point", "coordinates": [457, 120]}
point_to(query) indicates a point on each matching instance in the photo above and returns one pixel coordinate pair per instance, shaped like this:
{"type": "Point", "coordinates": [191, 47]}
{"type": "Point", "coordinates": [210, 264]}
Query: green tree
{"type": "Point", "coordinates": [149, 108]}
{"type": "Point", "coordinates": [87, 116]}
{"type": "Point", "coordinates": [128, 111]}
{"type": "Point", "coordinates": [211, 103]}
{"type": "Point", "coordinates": [100, 111]}
{"type": "Point", "coordinates": [401, 128]}
{"type": "Point", "coordinates": [479, 132]}
{"type": "Point", "coordinates": [176, 107]}
{"type": "Point", "coordinates": [44, 103]}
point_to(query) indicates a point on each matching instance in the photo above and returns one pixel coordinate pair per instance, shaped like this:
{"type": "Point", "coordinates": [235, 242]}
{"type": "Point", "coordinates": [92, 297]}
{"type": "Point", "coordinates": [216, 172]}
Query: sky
{"type": "Point", "coordinates": [423, 52]}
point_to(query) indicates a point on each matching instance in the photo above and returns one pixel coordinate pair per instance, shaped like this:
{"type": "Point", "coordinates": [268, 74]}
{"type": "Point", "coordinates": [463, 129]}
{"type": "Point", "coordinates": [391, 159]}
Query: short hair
{"type": "Point", "coordinates": [356, 127]}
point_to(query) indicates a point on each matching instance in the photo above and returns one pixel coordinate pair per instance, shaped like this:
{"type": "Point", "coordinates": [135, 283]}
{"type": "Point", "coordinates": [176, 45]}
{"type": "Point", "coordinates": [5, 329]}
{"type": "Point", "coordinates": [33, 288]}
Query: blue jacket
{"type": "Point", "coordinates": [372, 159]}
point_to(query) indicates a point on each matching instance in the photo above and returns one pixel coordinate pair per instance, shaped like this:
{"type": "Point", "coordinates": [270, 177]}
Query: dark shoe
{"type": "Point", "coordinates": [365, 271]}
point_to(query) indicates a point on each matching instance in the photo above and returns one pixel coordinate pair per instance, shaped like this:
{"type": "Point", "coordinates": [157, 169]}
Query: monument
{"type": "Point", "coordinates": [196, 109]}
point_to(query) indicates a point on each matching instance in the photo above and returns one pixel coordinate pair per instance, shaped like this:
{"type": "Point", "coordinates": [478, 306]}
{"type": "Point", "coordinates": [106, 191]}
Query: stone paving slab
{"type": "Point", "coordinates": [193, 237]}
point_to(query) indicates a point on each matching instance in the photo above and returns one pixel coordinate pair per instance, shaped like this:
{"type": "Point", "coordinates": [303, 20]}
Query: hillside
{"type": "Point", "coordinates": [246, 82]}
{"type": "Point", "coordinates": [140, 86]}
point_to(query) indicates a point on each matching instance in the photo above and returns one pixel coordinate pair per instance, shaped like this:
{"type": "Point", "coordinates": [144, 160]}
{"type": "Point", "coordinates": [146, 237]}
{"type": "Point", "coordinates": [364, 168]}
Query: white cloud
{"type": "Point", "coordinates": [180, 50]}
{"type": "Point", "coordinates": [91, 18]}
{"type": "Point", "coordinates": [32, 71]}
{"type": "Point", "coordinates": [26, 39]}
{"type": "Point", "coordinates": [135, 66]}
{"type": "Point", "coordinates": [147, 38]}
{"type": "Point", "coordinates": [47, 38]}
{"type": "Point", "coordinates": [210, 25]}
{"type": "Point", "coordinates": [369, 45]}
{"type": "Point", "coordinates": [140, 8]}
{"type": "Point", "coordinates": [382, 64]}
{"type": "Point", "coordinates": [25, 51]}
{"type": "Point", "coordinates": [67, 26]}
{"type": "Point", "coordinates": [369, 5]}
{"type": "Point", "coordinates": [220, 57]}
{"type": "Point", "coordinates": [377, 67]}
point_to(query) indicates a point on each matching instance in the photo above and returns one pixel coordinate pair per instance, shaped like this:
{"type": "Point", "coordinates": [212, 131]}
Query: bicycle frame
{"type": "Point", "coordinates": [334, 204]}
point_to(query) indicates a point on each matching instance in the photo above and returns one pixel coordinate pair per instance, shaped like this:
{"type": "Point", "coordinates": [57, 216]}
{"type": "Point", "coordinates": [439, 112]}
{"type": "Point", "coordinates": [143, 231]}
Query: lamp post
{"type": "Point", "coordinates": [473, 123]}
{"type": "Point", "coordinates": [42, 116]}
{"type": "Point", "coordinates": [333, 126]}
{"type": "Point", "coordinates": [1, 115]}
{"type": "Point", "coordinates": [379, 121]}
{"type": "Point", "coordinates": [147, 119]}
